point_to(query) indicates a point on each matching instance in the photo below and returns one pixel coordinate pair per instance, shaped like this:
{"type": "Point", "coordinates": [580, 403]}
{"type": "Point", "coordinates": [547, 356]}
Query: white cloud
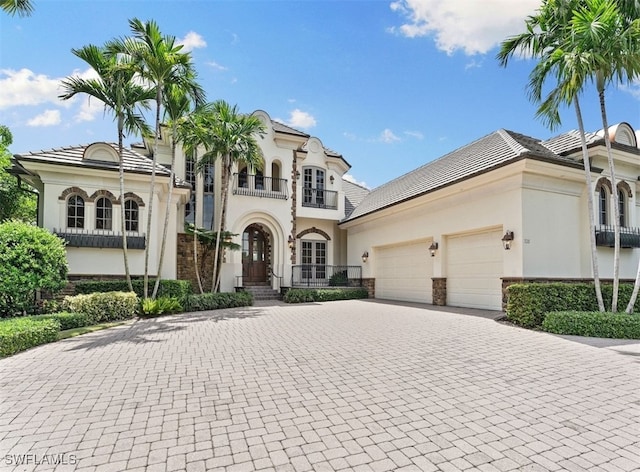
{"type": "Point", "coordinates": [473, 26]}
{"type": "Point", "coordinates": [387, 136]}
{"type": "Point", "coordinates": [300, 119]}
{"type": "Point", "coordinates": [215, 65]}
{"type": "Point", "coordinates": [90, 107]}
{"type": "Point", "coordinates": [415, 134]}
{"type": "Point", "coordinates": [633, 89]}
{"type": "Point", "coordinates": [192, 41]}
{"type": "Point", "coordinates": [25, 87]}
{"type": "Point", "coordinates": [47, 118]}
{"type": "Point", "coordinates": [352, 179]}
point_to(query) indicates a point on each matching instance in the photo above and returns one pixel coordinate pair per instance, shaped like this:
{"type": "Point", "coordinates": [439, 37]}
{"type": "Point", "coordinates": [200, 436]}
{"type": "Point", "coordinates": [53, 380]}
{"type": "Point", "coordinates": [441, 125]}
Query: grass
{"type": "Point", "coordinates": [70, 333]}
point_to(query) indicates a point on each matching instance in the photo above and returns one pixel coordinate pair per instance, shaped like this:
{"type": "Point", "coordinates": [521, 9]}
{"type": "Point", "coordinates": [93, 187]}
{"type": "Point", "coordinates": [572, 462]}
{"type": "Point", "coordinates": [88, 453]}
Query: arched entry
{"type": "Point", "coordinates": [255, 254]}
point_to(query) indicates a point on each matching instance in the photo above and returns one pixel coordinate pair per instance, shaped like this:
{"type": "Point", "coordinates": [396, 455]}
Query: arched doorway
{"type": "Point", "coordinates": [255, 254]}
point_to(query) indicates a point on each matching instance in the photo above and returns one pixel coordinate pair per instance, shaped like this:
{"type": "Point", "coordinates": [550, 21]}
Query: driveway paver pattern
{"type": "Point", "coordinates": [353, 385]}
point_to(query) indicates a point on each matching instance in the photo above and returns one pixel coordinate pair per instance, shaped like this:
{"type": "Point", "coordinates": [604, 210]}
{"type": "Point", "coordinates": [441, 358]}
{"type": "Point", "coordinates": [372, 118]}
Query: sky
{"type": "Point", "coordinates": [390, 85]}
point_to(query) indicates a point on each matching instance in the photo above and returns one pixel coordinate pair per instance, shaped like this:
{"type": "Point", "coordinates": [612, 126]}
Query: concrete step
{"type": "Point", "coordinates": [262, 292]}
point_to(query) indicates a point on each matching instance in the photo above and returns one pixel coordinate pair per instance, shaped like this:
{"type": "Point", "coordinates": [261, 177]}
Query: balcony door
{"type": "Point", "coordinates": [314, 260]}
{"type": "Point", "coordinates": [254, 255]}
{"type": "Point", "coordinates": [313, 191]}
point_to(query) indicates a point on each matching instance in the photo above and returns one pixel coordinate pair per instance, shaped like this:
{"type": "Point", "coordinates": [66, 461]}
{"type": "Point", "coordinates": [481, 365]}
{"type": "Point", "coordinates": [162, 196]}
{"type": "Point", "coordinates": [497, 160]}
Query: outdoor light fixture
{"type": "Point", "coordinates": [365, 256]}
{"type": "Point", "coordinates": [331, 179]}
{"type": "Point", "coordinates": [507, 239]}
{"type": "Point", "coordinates": [433, 248]}
{"type": "Point", "coordinates": [291, 242]}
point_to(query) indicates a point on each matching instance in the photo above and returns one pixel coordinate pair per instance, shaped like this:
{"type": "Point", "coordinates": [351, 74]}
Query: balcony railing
{"type": "Point", "coordinates": [321, 275]}
{"type": "Point", "coordinates": [76, 237]}
{"type": "Point", "coordinates": [629, 237]}
{"type": "Point", "coordinates": [260, 186]}
{"type": "Point", "coordinates": [319, 198]}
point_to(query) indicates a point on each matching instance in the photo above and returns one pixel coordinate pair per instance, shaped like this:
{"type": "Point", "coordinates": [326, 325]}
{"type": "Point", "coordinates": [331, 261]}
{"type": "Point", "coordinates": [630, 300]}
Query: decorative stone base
{"type": "Point", "coordinates": [185, 263]}
{"type": "Point", "coordinates": [439, 291]}
{"type": "Point", "coordinates": [370, 285]}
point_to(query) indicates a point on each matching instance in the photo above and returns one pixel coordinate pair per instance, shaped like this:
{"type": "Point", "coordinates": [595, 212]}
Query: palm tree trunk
{"type": "Point", "coordinates": [590, 205]}
{"type": "Point", "coordinates": [123, 227]}
{"type": "Point", "coordinates": [616, 204]}
{"type": "Point", "coordinates": [223, 217]}
{"type": "Point", "coordinates": [195, 239]}
{"type": "Point", "coordinates": [216, 254]}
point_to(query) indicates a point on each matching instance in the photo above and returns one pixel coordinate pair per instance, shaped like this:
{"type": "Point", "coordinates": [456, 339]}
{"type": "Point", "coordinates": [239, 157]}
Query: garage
{"type": "Point", "coordinates": [403, 272]}
{"type": "Point", "coordinates": [474, 270]}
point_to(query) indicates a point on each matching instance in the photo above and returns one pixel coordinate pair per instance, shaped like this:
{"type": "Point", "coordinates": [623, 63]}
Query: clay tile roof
{"type": "Point", "coordinates": [353, 196]}
{"type": "Point", "coordinates": [282, 128]}
{"type": "Point", "coordinates": [570, 142]}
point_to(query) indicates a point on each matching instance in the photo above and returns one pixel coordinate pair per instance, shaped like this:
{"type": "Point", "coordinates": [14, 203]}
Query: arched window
{"type": "Point", "coordinates": [622, 205]}
{"type": "Point", "coordinates": [604, 206]}
{"type": "Point", "coordinates": [75, 212]}
{"type": "Point", "coordinates": [104, 214]}
{"type": "Point", "coordinates": [131, 215]}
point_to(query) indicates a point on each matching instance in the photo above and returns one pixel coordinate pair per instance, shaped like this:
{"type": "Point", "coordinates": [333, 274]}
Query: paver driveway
{"type": "Point", "coordinates": [354, 385]}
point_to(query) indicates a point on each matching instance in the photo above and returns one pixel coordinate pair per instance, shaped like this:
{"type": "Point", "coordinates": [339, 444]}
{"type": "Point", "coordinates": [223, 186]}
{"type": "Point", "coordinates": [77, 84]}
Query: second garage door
{"type": "Point", "coordinates": [403, 272]}
{"type": "Point", "coordinates": [474, 270]}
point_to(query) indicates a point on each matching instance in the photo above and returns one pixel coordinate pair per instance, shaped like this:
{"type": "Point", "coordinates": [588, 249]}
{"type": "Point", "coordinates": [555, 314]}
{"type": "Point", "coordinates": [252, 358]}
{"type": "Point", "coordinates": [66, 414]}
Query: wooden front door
{"type": "Point", "coordinates": [254, 259]}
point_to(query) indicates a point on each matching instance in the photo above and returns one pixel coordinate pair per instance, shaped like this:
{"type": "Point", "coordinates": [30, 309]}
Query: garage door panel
{"type": "Point", "coordinates": [404, 273]}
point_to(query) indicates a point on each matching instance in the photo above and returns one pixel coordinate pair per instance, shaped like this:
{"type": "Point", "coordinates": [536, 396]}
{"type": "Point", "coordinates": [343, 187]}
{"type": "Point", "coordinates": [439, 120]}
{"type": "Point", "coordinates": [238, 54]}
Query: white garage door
{"type": "Point", "coordinates": [474, 268]}
{"type": "Point", "coordinates": [404, 272]}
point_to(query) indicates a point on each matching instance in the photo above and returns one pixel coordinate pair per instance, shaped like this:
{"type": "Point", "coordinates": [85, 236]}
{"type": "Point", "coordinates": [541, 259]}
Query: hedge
{"type": "Point", "coordinates": [65, 319]}
{"type": "Point", "coordinates": [302, 295]}
{"type": "Point", "coordinates": [528, 303]}
{"type": "Point", "coordinates": [103, 307]}
{"type": "Point", "coordinates": [216, 301]}
{"type": "Point", "coordinates": [594, 324]}
{"type": "Point", "coordinates": [179, 289]}
{"type": "Point", "coordinates": [18, 334]}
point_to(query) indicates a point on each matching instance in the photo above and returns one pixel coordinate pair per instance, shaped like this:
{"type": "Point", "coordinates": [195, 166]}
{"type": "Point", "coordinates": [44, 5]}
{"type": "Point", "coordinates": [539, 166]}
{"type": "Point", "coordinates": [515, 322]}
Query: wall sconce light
{"type": "Point", "coordinates": [433, 248]}
{"type": "Point", "coordinates": [365, 256]}
{"type": "Point", "coordinates": [331, 179]}
{"type": "Point", "coordinates": [507, 239]}
{"type": "Point", "coordinates": [291, 242]}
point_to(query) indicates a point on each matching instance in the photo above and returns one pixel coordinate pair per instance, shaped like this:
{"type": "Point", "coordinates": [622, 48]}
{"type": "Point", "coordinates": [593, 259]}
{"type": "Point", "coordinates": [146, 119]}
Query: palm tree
{"type": "Point", "coordinates": [546, 32]}
{"type": "Point", "coordinates": [17, 7]}
{"type": "Point", "coordinates": [160, 62]}
{"type": "Point", "coordinates": [232, 140]}
{"type": "Point", "coordinates": [116, 88]}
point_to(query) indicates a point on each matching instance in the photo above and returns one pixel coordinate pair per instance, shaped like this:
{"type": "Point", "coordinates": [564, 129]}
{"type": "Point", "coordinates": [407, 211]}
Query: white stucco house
{"type": "Point", "coordinates": [456, 231]}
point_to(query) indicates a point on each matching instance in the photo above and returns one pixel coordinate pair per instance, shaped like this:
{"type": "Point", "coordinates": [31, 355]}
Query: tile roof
{"type": "Point", "coordinates": [353, 196]}
{"type": "Point", "coordinates": [489, 152]}
{"type": "Point", "coordinates": [570, 141]}
{"type": "Point", "coordinates": [282, 128]}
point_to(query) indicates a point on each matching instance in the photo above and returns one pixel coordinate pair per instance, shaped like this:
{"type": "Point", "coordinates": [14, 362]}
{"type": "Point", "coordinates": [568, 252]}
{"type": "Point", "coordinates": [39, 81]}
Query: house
{"type": "Point", "coordinates": [456, 231]}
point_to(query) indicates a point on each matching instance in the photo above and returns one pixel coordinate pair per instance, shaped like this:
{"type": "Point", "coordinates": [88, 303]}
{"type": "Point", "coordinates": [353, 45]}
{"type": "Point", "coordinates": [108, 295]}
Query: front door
{"type": "Point", "coordinates": [254, 262]}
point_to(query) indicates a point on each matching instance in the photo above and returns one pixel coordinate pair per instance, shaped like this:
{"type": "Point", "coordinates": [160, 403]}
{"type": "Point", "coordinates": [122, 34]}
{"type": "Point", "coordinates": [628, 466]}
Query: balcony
{"type": "Point", "coordinates": [321, 275]}
{"type": "Point", "coordinates": [254, 185]}
{"type": "Point", "coordinates": [75, 237]}
{"type": "Point", "coordinates": [629, 237]}
{"type": "Point", "coordinates": [319, 198]}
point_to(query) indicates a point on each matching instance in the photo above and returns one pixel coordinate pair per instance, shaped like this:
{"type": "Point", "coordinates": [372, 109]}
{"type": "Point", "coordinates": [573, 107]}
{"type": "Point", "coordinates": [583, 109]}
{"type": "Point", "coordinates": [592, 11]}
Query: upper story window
{"type": "Point", "coordinates": [313, 186]}
{"type": "Point", "coordinates": [208, 193]}
{"type": "Point", "coordinates": [603, 207]}
{"type": "Point", "coordinates": [104, 213]}
{"type": "Point", "coordinates": [75, 212]}
{"type": "Point", "coordinates": [131, 215]}
{"type": "Point", "coordinates": [190, 178]}
{"type": "Point", "coordinates": [622, 205]}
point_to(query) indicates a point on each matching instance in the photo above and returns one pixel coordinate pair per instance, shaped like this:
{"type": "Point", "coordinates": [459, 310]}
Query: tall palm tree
{"type": "Point", "coordinates": [17, 7]}
{"type": "Point", "coordinates": [159, 61]}
{"type": "Point", "coordinates": [544, 39]}
{"type": "Point", "coordinates": [116, 88]}
{"type": "Point", "coordinates": [233, 139]}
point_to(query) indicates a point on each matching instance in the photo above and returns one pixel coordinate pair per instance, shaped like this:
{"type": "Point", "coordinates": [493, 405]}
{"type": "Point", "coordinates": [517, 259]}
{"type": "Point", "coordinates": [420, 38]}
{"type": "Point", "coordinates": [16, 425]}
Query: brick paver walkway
{"type": "Point", "coordinates": [352, 385]}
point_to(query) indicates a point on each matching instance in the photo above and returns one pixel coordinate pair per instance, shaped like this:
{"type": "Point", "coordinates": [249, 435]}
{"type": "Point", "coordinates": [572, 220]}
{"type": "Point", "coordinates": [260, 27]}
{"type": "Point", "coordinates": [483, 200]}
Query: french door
{"type": "Point", "coordinates": [314, 260]}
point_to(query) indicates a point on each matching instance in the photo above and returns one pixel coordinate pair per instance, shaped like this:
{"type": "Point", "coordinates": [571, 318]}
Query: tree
{"type": "Point", "coordinates": [232, 140]}
{"type": "Point", "coordinates": [116, 88]}
{"type": "Point", "coordinates": [17, 7]}
{"type": "Point", "coordinates": [31, 258]}
{"type": "Point", "coordinates": [158, 61]}
{"type": "Point", "coordinates": [16, 202]}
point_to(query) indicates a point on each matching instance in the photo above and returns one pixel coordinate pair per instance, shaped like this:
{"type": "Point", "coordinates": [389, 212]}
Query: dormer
{"type": "Point", "coordinates": [100, 152]}
{"type": "Point", "coordinates": [622, 133]}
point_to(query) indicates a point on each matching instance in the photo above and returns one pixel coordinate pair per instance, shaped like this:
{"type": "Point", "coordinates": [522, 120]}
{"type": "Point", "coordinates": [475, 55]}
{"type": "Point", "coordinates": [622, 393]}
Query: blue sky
{"type": "Point", "coordinates": [390, 85]}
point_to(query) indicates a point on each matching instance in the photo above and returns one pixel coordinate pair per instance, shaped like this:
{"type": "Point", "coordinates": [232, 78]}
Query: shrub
{"type": "Point", "coordinates": [65, 319]}
{"type": "Point", "coordinates": [302, 295]}
{"type": "Point", "coordinates": [31, 259]}
{"type": "Point", "coordinates": [595, 324]}
{"type": "Point", "coordinates": [18, 334]}
{"type": "Point", "coordinates": [216, 301]}
{"type": "Point", "coordinates": [103, 307]}
{"type": "Point", "coordinates": [160, 306]}
{"type": "Point", "coordinates": [179, 289]}
{"type": "Point", "coordinates": [338, 279]}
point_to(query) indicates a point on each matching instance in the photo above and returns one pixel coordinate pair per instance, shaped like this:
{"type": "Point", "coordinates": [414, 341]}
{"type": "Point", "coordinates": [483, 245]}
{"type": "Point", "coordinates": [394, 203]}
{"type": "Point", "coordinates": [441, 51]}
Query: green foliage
{"type": "Point", "coordinates": [31, 259]}
{"type": "Point", "coordinates": [101, 307]}
{"type": "Point", "coordinates": [15, 202]}
{"type": "Point", "coordinates": [160, 306]}
{"type": "Point", "coordinates": [216, 301]}
{"type": "Point", "coordinates": [179, 289]}
{"type": "Point", "coordinates": [338, 279]}
{"type": "Point", "coordinates": [65, 319]}
{"type": "Point", "coordinates": [528, 303]}
{"type": "Point", "coordinates": [18, 334]}
{"type": "Point", "coordinates": [303, 295]}
{"type": "Point", "coordinates": [595, 324]}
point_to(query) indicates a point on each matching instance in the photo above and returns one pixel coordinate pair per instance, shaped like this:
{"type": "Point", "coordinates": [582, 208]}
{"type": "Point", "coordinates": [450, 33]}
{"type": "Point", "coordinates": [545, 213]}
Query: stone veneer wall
{"type": "Point", "coordinates": [185, 266]}
{"type": "Point", "coordinates": [370, 285]}
{"type": "Point", "coordinates": [439, 291]}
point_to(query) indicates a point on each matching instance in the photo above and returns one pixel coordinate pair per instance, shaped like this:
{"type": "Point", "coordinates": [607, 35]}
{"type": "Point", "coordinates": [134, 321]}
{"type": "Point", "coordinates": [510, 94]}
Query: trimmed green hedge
{"type": "Point", "coordinates": [19, 334]}
{"type": "Point", "coordinates": [179, 289]}
{"type": "Point", "coordinates": [594, 324]}
{"type": "Point", "coordinates": [65, 319]}
{"type": "Point", "coordinates": [528, 303]}
{"type": "Point", "coordinates": [216, 301]}
{"type": "Point", "coordinates": [103, 307]}
{"type": "Point", "coordinates": [302, 295]}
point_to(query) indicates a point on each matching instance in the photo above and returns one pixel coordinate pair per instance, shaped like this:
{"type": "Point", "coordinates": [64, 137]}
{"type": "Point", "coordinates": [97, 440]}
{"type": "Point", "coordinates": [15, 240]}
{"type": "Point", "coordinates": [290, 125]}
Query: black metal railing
{"type": "Point", "coordinates": [260, 186]}
{"type": "Point", "coordinates": [76, 237]}
{"type": "Point", "coordinates": [321, 275]}
{"type": "Point", "coordinates": [319, 198]}
{"type": "Point", "coordinates": [629, 237]}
